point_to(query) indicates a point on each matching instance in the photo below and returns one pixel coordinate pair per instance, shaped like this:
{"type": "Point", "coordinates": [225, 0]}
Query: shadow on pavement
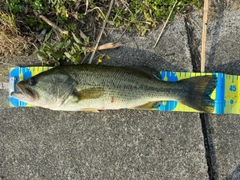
{"type": "Point", "coordinates": [235, 174]}
{"type": "Point", "coordinates": [126, 56]}
{"type": "Point", "coordinates": [217, 30]}
{"type": "Point", "coordinates": [229, 68]}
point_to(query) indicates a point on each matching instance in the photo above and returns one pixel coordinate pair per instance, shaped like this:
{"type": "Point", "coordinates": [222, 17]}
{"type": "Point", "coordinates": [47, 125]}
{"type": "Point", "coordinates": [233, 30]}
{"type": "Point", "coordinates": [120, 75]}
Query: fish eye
{"type": "Point", "coordinates": [32, 81]}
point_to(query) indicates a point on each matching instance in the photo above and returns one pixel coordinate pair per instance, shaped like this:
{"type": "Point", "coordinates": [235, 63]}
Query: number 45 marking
{"type": "Point", "coordinates": [233, 88]}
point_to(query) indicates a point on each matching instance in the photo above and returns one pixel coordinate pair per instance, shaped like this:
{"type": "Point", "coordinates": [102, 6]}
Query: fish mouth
{"type": "Point", "coordinates": [24, 94]}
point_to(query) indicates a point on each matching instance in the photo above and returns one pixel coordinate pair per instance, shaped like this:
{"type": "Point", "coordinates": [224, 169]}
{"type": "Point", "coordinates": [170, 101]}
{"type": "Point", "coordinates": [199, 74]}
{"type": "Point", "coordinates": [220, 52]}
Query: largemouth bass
{"type": "Point", "coordinates": [93, 88]}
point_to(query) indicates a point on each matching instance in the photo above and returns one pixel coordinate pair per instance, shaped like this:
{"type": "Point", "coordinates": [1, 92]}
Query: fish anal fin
{"type": "Point", "coordinates": [89, 109]}
{"type": "Point", "coordinates": [149, 106]}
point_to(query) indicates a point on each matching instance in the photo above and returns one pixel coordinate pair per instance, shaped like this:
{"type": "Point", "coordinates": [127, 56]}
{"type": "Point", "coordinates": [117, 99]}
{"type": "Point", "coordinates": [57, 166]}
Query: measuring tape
{"type": "Point", "coordinates": [225, 95]}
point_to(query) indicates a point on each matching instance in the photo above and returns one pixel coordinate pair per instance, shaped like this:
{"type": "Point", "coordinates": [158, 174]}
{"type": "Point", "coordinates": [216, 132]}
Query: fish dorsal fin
{"type": "Point", "coordinates": [90, 93]}
{"type": "Point", "coordinates": [147, 71]}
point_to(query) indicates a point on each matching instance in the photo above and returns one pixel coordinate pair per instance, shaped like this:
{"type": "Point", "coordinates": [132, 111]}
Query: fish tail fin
{"type": "Point", "coordinates": [199, 90]}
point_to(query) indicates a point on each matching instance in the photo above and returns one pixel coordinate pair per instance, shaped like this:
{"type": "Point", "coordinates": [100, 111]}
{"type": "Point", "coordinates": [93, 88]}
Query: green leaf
{"type": "Point", "coordinates": [76, 46]}
{"type": "Point", "coordinates": [69, 56]}
{"type": "Point", "coordinates": [84, 50]}
{"type": "Point", "coordinates": [73, 50]}
{"type": "Point", "coordinates": [48, 36]}
{"type": "Point", "coordinates": [41, 53]}
{"type": "Point", "coordinates": [86, 41]}
{"type": "Point", "coordinates": [57, 55]}
{"type": "Point", "coordinates": [49, 53]}
{"type": "Point", "coordinates": [76, 39]}
{"type": "Point", "coordinates": [67, 43]}
{"type": "Point", "coordinates": [42, 56]}
{"type": "Point", "coordinates": [58, 45]}
{"type": "Point", "coordinates": [77, 59]}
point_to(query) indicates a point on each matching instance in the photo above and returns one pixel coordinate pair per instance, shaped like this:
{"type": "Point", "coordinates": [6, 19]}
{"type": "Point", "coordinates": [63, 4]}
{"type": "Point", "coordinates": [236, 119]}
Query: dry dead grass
{"type": "Point", "coordinates": [11, 42]}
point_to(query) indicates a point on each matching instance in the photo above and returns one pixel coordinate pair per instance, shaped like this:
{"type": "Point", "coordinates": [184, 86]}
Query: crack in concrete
{"type": "Point", "coordinates": [210, 155]}
{"type": "Point", "coordinates": [193, 44]}
{"type": "Point", "coordinates": [209, 147]}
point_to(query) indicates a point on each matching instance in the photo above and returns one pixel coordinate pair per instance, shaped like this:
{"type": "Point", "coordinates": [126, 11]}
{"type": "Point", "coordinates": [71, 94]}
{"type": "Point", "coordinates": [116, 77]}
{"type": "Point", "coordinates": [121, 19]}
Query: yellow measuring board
{"type": "Point", "coordinates": [225, 95]}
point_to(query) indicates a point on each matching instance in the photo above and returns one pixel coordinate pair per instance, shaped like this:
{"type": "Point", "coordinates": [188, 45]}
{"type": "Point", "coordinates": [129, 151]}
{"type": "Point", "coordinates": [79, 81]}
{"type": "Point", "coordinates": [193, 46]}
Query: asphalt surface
{"type": "Point", "coordinates": [36, 143]}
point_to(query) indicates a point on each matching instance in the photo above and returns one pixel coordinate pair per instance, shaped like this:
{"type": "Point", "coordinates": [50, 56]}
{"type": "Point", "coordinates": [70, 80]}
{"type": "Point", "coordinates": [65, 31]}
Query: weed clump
{"type": "Point", "coordinates": [11, 41]}
{"type": "Point", "coordinates": [76, 18]}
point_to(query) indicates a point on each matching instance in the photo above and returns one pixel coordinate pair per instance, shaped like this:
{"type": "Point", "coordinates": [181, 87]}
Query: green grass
{"type": "Point", "coordinates": [145, 16]}
{"type": "Point", "coordinates": [70, 48]}
{"type": "Point", "coordinates": [136, 16]}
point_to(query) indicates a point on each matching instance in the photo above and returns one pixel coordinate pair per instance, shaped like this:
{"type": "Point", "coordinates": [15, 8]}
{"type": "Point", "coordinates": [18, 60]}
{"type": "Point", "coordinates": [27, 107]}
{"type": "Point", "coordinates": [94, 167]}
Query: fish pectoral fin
{"type": "Point", "coordinates": [90, 109]}
{"type": "Point", "coordinates": [90, 93]}
{"type": "Point", "coordinates": [149, 105]}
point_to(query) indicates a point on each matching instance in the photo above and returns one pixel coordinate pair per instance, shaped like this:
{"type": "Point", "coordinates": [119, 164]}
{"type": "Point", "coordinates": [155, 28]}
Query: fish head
{"type": "Point", "coordinates": [48, 89]}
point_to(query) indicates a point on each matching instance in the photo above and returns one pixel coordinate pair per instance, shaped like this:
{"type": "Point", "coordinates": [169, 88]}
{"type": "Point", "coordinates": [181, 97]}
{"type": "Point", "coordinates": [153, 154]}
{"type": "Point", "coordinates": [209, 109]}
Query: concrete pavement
{"type": "Point", "coordinates": [41, 144]}
{"type": "Point", "coordinates": [223, 55]}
